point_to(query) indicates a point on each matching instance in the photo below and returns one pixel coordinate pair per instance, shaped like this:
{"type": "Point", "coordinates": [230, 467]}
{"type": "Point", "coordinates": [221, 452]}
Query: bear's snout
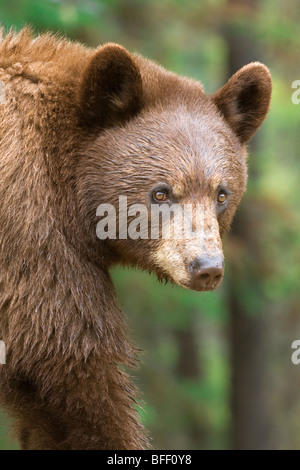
{"type": "Point", "coordinates": [206, 273]}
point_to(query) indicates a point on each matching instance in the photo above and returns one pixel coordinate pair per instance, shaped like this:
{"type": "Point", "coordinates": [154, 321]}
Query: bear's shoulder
{"type": "Point", "coordinates": [42, 58]}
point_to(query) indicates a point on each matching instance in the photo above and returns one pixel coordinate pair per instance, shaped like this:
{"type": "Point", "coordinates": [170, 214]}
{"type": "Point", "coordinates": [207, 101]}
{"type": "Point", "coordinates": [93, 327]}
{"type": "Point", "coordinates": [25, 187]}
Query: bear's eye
{"type": "Point", "coordinates": [222, 197]}
{"type": "Point", "coordinates": [160, 196]}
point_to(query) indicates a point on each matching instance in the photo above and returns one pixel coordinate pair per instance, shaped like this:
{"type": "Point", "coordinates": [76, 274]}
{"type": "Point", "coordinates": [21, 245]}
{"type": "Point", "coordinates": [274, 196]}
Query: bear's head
{"type": "Point", "coordinates": [159, 147]}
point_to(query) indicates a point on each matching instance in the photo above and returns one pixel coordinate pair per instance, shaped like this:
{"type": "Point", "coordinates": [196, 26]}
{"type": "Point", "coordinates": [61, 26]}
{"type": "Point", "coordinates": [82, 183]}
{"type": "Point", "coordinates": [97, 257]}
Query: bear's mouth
{"type": "Point", "coordinates": [199, 287]}
{"type": "Point", "coordinates": [190, 284]}
{"type": "Point", "coordinates": [202, 274]}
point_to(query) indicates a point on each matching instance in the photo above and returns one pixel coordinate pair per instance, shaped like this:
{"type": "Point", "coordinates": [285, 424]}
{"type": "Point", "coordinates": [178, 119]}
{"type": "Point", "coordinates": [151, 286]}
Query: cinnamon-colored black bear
{"type": "Point", "coordinates": [79, 128]}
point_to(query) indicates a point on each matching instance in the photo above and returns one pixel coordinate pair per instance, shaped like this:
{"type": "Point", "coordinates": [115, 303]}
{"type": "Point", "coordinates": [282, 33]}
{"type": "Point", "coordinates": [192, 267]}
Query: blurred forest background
{"type": "Point", "coordinates": [216, 372]}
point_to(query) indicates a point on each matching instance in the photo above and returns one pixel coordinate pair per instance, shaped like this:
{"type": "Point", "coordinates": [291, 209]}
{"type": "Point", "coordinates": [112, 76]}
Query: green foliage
{"type": "Point", "coordinates": [6, 441]}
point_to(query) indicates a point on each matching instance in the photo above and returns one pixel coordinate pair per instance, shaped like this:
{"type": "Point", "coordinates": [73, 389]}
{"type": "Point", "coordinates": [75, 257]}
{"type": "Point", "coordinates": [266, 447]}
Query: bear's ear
{"type": "Point", "coordinates": [244, 100]}
{"type": "Point", "coordinates": [111, 89]}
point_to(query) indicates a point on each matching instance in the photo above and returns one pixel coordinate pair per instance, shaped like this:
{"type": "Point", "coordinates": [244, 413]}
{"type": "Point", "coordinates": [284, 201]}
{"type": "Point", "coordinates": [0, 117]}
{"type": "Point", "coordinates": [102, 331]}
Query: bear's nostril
{"type": "Point", "coordinates": [205, 276]}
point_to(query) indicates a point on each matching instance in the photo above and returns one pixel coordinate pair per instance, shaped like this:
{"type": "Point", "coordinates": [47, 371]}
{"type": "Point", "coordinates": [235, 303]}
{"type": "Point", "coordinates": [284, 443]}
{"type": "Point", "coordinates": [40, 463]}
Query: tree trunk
{"type": "Point", "coordinates": [248, 332]}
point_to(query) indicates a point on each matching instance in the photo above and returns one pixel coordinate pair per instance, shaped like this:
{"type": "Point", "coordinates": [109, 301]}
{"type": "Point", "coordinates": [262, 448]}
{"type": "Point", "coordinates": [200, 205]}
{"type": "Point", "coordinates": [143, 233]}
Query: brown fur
{"type": "Point", "coordinates": [80, 127]}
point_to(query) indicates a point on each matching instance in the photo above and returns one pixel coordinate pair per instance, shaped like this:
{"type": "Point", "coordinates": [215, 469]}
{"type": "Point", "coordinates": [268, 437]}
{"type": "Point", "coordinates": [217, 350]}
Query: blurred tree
{"type": "Point", "coordinates": [248, 333]}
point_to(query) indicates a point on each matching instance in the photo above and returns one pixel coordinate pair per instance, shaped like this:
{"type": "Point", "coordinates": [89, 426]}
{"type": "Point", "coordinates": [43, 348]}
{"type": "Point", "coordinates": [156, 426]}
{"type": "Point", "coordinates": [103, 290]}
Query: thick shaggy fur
{"type": "Point", "coordinates": [71, 115]}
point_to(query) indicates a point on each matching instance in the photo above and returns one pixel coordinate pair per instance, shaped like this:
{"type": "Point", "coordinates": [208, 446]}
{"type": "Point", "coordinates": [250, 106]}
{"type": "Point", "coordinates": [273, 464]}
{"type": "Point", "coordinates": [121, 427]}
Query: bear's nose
{"type": "Point", "coordinates": [206, 273]}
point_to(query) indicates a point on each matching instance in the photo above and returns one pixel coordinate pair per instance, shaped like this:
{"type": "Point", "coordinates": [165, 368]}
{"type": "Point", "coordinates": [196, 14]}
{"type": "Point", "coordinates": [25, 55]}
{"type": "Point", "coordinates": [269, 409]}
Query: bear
{"type": "Point", "coordinates": [81, 127]}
